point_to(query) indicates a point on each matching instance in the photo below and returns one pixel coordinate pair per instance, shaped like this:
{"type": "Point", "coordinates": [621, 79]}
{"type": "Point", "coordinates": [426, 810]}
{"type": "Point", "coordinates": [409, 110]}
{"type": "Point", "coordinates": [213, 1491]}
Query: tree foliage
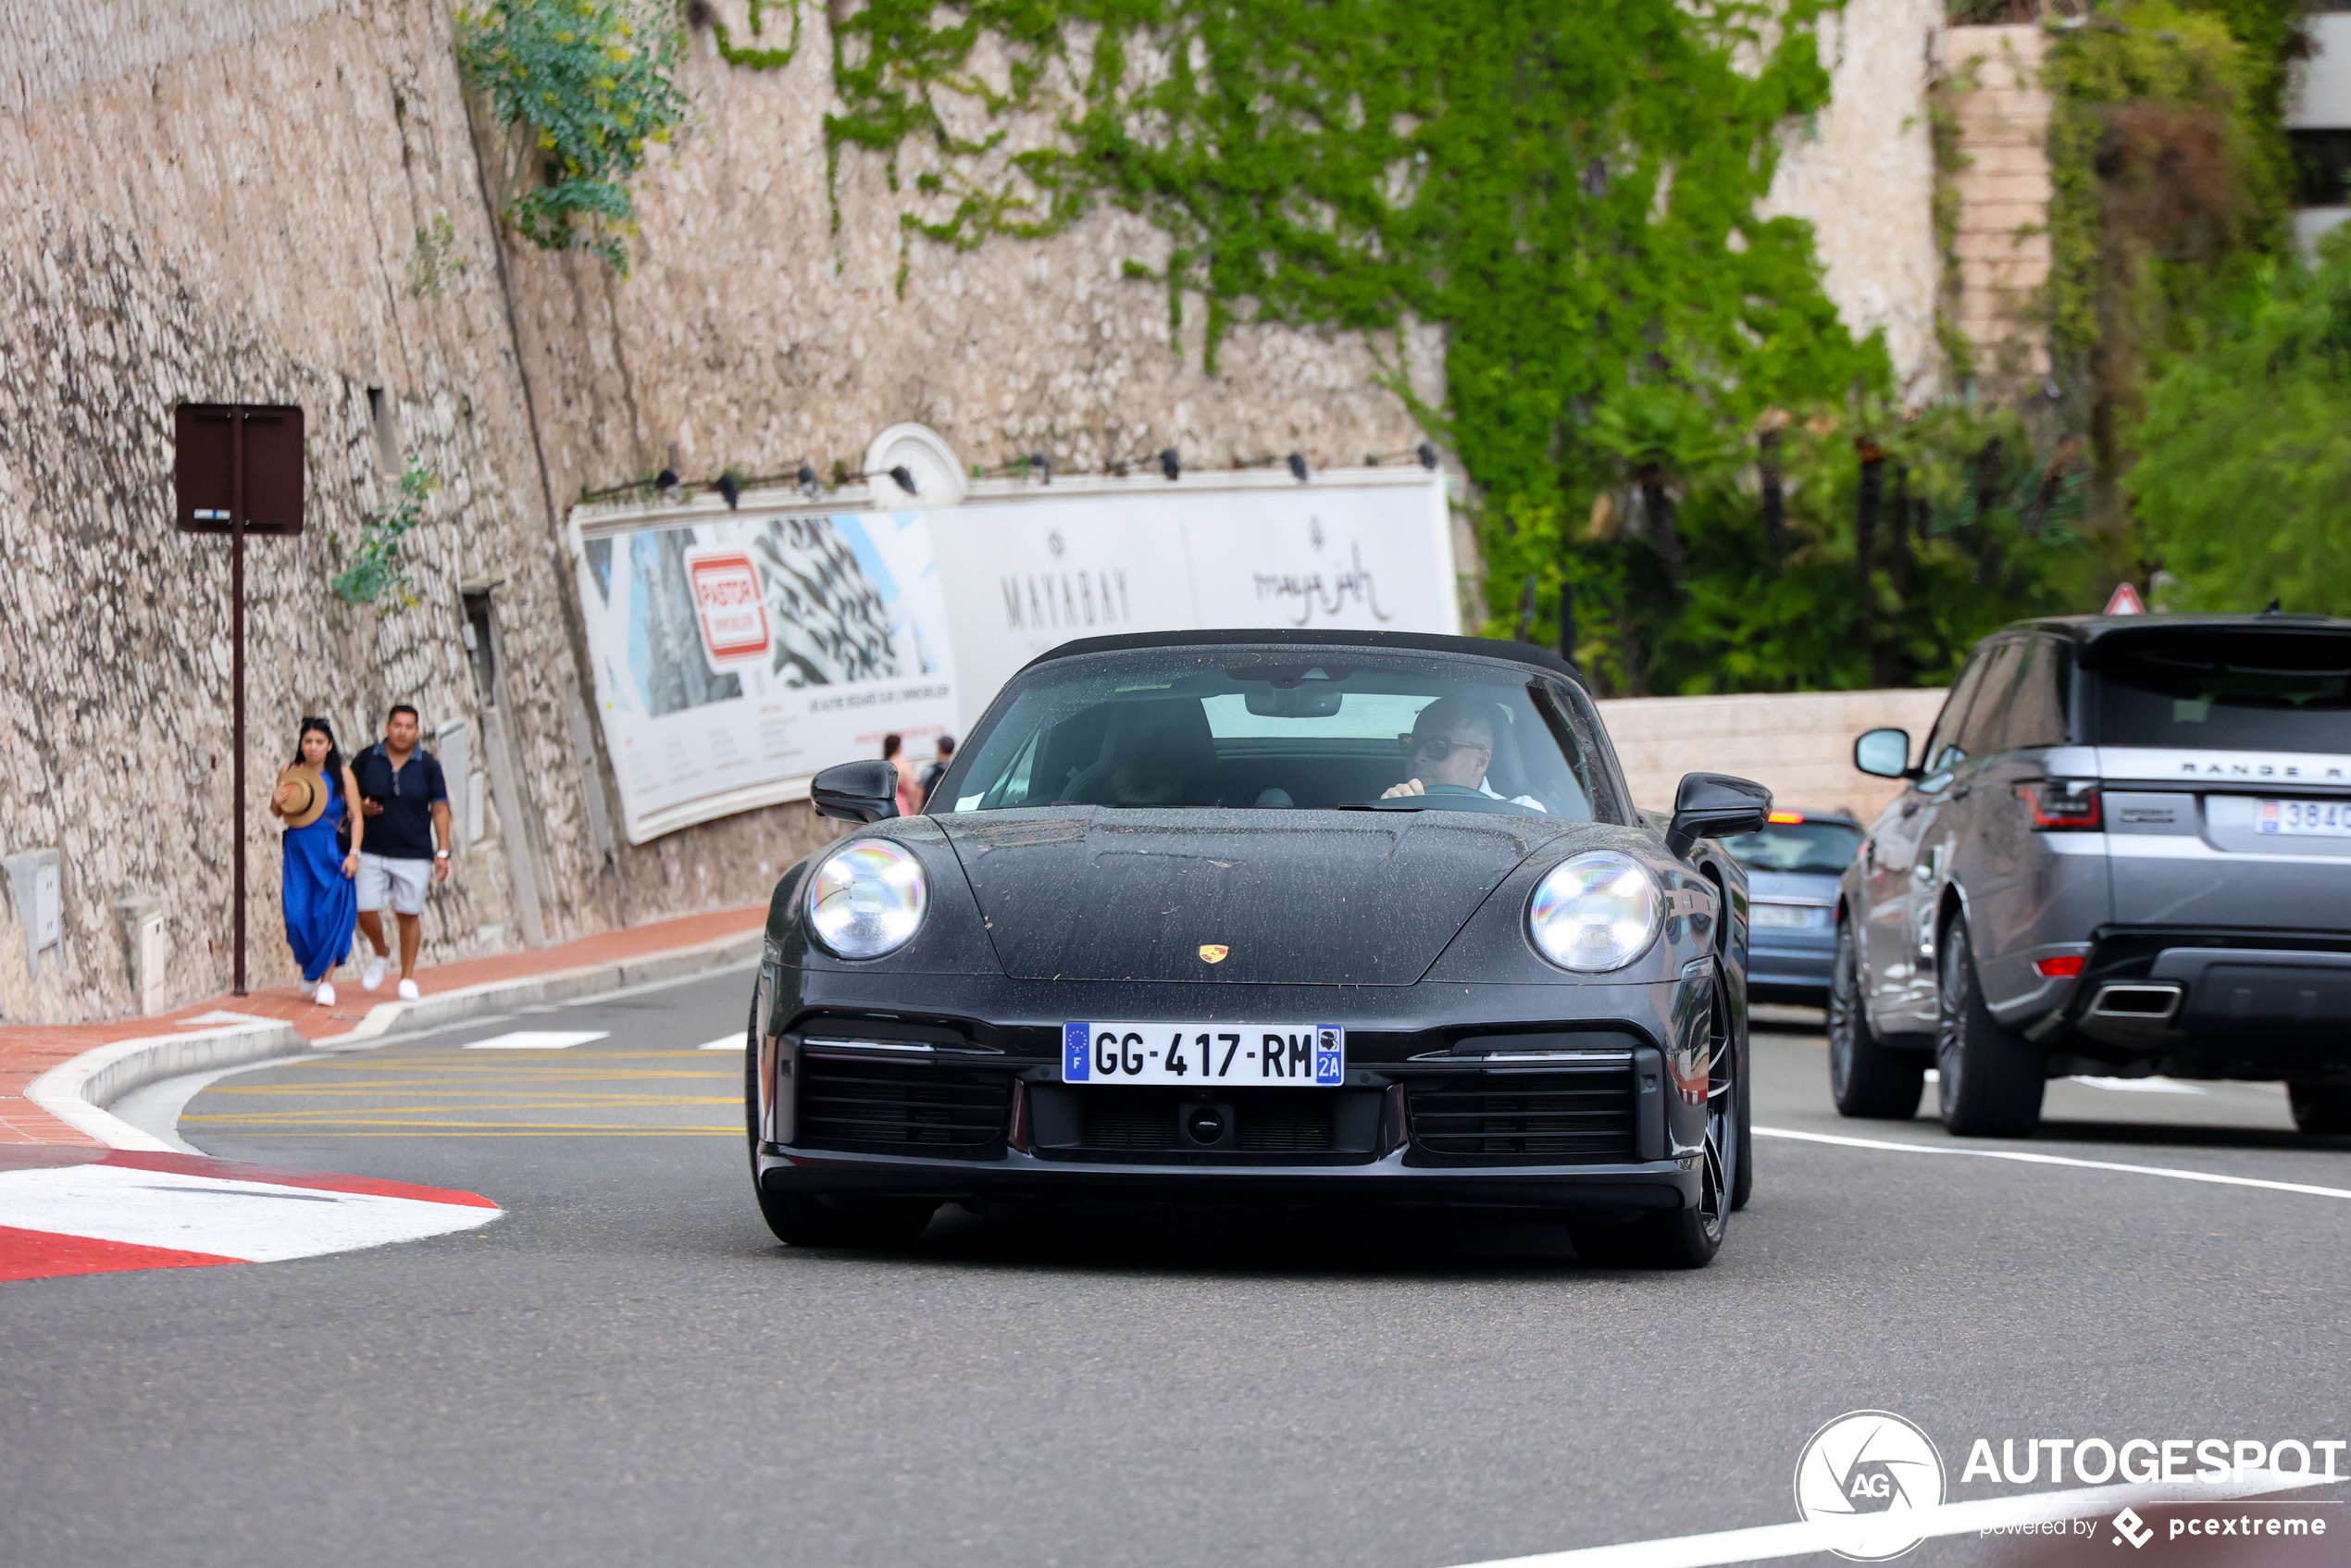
{"type": "Point", "coordinates": [2244, 483]}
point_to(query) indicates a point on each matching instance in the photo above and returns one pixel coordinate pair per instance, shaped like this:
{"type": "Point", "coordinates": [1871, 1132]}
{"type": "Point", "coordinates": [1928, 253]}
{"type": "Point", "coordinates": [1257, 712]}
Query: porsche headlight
{"type": "Point", "coordinates": [1595, 912]}
{"type": "Point", "coordinates": [868, 898]}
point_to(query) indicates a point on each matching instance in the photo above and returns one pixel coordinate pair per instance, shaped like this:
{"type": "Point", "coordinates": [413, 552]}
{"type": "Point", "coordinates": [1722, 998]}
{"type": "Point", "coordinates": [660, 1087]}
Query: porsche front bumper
{"type": "Point", "coordinates": [1566, 1096]}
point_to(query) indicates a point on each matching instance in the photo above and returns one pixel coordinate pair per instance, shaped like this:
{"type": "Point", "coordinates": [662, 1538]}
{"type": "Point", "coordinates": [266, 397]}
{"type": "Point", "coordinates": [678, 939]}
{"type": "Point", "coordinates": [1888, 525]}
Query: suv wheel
{"type": "Point", "coordinates": [1866, 1079]}
{"type": "Point", "coordinates": [1992, 1077]}
{"type": "Point", "coordinates": [2320, 1109]}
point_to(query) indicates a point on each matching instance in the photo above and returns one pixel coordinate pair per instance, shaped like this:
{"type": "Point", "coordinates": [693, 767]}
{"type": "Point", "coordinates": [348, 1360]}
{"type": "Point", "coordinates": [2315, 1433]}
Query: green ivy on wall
{"type": "Point", "coordinates": [582, 86]}
{"type": "Point", "coordinates": [376, 571]}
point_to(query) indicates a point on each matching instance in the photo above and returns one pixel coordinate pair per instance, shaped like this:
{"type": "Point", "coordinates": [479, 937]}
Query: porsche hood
{"type": "Point", "coordinates": [1315, 898]}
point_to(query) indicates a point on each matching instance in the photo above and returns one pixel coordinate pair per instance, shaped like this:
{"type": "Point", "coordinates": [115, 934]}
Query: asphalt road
{"type": "Point", "coordinates": [625, 1369]}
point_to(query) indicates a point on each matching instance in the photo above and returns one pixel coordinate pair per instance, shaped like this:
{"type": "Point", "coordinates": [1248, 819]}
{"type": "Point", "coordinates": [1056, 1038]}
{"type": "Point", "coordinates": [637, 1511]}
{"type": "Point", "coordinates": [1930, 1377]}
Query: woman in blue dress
{"type": "Point", "coordinates": [316, 799]}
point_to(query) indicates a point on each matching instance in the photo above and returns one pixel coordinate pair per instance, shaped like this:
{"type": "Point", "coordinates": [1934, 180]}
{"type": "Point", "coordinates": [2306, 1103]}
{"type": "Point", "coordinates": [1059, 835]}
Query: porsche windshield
{"type": "Point", "coordinates": [1282, 729]}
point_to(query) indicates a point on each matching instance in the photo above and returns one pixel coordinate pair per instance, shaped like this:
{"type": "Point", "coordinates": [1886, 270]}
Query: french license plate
{"type": "Point", "coordinates": [1260, 1055]}
{"type": "Point", "coordinates": [1787, 916]}
{"type": "Point", "coordinates": [2309, 819]}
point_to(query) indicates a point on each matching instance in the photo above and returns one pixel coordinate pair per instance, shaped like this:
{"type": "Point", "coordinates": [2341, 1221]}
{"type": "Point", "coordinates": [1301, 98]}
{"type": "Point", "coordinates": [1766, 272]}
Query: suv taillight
{"type": "Point", "coordinates": [2063, 806]}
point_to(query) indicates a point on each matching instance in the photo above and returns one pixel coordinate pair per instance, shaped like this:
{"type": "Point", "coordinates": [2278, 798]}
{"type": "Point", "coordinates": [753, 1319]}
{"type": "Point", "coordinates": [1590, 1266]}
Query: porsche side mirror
{"type": "Point", "coordinates": [1884, 753]}
{"type": "Point", "coordinates": [856, 791]}
{"type": "Point", "coordinates": [1715, 805]}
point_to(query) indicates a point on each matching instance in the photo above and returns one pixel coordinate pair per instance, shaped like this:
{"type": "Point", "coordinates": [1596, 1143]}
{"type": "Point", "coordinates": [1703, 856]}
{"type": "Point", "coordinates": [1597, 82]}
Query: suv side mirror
{"type": "Point", "coordinates": [856, 791]}
{"type": "Point", "coordinates": [1715, 805]}
{"type": "Point", "coordinates": [1884, 753]}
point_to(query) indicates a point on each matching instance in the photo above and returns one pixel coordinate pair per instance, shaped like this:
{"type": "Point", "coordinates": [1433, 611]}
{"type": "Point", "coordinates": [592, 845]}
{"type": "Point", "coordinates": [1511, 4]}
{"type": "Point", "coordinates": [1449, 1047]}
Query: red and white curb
{"type": "Point", "coordinates": [137, 1210]}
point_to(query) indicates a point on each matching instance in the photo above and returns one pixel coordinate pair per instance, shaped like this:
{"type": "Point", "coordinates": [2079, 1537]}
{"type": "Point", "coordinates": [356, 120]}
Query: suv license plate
{"type": "Point", "coordinates": [2307, 819]}
{"type": "Point", "coordinates": [1260, 1055]}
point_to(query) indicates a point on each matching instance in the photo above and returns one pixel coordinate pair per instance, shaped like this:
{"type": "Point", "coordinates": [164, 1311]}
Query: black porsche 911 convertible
{"type": "Point", "coordinates": [1268, 917]}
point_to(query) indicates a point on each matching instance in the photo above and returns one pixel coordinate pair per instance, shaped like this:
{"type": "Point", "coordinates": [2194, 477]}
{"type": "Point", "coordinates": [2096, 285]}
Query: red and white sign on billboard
{"type": "Point", "coordinates": [730, 606]}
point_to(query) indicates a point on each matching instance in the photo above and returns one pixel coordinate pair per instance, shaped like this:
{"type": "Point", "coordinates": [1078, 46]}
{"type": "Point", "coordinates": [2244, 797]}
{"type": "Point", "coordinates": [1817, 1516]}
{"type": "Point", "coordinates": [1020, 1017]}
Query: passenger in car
{"type": "Point", "coordinates": [1451, 746]}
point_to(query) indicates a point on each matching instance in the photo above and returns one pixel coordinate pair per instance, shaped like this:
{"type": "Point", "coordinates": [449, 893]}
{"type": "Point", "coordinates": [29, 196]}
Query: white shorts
{"type": "Point", "coordinates": [403, 883]}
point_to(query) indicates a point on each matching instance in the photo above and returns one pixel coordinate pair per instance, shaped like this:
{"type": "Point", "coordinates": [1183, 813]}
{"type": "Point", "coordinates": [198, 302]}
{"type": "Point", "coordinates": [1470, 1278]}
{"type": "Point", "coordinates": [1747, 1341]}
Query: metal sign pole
{"type": "Point", "coordinates": [237, 676]}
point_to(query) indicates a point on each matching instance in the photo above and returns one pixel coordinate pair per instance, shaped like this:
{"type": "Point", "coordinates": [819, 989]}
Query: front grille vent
{"type": "Point", "coordinates": [1564, 1118]}
{"type": "Point", "coordinates": [901, 1106]}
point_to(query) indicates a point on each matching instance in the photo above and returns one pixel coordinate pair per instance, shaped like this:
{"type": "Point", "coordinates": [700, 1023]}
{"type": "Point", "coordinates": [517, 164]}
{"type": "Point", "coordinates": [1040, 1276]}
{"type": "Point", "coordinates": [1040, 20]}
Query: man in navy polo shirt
{"type": "Point", "coordinates": [406, 803]}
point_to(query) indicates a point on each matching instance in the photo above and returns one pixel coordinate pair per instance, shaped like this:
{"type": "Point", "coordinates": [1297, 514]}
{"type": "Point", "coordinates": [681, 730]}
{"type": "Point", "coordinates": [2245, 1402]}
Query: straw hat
{"type": "Point", "coordinates": [310, 797]}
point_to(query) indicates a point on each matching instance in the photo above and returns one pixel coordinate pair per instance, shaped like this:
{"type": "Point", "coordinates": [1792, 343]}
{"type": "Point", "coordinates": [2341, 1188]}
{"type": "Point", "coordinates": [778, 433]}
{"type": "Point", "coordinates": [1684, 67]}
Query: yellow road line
{"type": "Point", "coordinates": [258, 1117]}
{"type": "Point", "coordinates": [468, 1090]}
{"type": "Point", "coordinates": [387, 1120]}
{"type": "Point", "coordinates": [423, 1129]}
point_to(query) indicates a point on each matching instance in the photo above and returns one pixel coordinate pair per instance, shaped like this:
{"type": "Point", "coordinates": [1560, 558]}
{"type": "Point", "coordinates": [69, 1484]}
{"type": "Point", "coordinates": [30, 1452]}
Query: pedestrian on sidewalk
{"type": "Point", "coordinates": [930, 775]}
{"type": "Point", "coordinates": [317, 800]}
{"type": "Point", "coordinates": [406, 802]}
{"type": "Point", "coordinates": [910, 794]}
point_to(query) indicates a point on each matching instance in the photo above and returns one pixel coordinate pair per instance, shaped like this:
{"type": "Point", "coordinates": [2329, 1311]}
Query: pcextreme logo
{"type": "Point", "coordinates": [1876, 1469]}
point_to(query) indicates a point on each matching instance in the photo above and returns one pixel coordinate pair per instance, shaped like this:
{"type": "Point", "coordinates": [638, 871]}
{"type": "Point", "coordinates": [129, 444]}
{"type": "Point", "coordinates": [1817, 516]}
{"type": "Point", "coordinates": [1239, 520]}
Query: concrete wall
{"type": "Point", "coordinates": [237, 201]}
{"type": "Point", "coordinates": [1862, 172]}
{"type": "Point", "coordinates": [1801, 743]}
{"type": "Point", "coordinates": [2002, 247]}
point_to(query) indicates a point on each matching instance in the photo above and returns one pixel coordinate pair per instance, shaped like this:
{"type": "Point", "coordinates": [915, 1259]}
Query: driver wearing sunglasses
{"type": "Point", "coordinates": [1451, 747]}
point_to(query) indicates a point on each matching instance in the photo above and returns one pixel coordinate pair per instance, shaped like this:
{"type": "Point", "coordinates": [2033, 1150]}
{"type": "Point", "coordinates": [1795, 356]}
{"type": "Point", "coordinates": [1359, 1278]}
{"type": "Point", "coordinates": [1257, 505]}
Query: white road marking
{"type": "Point", "coordinates": [2138, 1086]}
{"type": "Point", "coordinates": [2024, 1158]}
{"type": "Point", "coordinates": [1761, 1542]}
{"type": "Point", "coordinates": [540, 1040]}
{"type": "Point", "coordinates": [723, 1042]}
{"type": "Point", "coordinates": [260, 1222]}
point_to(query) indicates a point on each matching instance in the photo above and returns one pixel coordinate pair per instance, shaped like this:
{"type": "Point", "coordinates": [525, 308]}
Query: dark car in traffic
{"type": "Point", "coordinates": [1266, 916]}
{"type": "Point", "coordinates": [2124, 849]}
{"type": "Point", "coordinates": [1794, 862]}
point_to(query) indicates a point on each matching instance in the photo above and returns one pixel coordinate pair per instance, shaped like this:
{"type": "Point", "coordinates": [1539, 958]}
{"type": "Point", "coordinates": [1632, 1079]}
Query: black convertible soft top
{"type": "Point", "coordinates": [1414, 641]}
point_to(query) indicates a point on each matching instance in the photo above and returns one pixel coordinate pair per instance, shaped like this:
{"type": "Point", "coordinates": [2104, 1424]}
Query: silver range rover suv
{"type": "Point", "coordinates": [2124, 849]}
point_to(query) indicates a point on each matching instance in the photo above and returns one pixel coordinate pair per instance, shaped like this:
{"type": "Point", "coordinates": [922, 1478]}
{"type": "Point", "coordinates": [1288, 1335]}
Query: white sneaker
{"type": "Point", "coordinates": [373, 975]}
{"type": "Point", "coordinates": [408, 991]}
{"type": "Point", "coordinates": [325, 996]}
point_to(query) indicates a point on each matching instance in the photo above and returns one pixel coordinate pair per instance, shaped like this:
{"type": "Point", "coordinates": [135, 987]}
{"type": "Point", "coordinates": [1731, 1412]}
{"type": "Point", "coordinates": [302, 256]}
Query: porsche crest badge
{"type": "Point", "coordinates": [1212, 952]}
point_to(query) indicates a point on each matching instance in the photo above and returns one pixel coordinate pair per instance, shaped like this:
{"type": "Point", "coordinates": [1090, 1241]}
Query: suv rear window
{"type": "Point", "coordinates": [2227, 690]}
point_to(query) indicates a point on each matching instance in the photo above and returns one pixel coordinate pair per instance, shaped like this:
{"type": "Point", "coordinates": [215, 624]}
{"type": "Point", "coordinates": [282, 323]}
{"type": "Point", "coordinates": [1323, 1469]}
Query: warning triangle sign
{"type": "Point", "coordinates": [2126, 602]}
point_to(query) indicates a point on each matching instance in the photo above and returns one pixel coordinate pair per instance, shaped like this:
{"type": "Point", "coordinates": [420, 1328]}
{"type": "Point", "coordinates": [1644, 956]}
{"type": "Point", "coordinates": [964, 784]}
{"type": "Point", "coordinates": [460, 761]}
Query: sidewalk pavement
{"type": "Point", "coordinates": [29, 1050]}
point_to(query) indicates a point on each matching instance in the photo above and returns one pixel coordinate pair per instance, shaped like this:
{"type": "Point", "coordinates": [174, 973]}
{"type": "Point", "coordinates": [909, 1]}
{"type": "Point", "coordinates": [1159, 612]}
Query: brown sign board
{"type": "Point", "coordinates": [209, 464]}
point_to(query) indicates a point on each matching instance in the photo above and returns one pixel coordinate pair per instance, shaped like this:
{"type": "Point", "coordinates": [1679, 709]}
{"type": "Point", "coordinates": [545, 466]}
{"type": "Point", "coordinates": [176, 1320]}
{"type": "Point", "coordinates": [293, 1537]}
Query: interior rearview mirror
{"type": "Point", "coordinates": [1715, 805]}
{"type": "Point", "coordinates": [1884, 753]}
{"type": "Point", "coordinates": [1314, 700]}
{"type": "Point", "coordinates": [856, 791]}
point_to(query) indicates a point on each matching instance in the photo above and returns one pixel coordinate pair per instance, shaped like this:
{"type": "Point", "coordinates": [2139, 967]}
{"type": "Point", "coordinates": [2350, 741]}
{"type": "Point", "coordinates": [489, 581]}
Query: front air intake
{"type": "Point", "coordinates": [1530, 1118]}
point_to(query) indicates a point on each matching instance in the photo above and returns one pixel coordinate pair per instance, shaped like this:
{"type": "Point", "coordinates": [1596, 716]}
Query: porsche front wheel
{"type": "Point", "coordinates": [1688, 1238]}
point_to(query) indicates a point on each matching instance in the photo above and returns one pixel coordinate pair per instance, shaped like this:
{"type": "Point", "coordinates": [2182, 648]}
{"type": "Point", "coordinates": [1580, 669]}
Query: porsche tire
{"type": "Point", "coordinates": [1991, 1078]}
{"type": "Point", "coordinates": [1743, 1169]}
{"type": "Point", "coordinates": [1684, 1239]}
{"type": "Point", "coordinates": [1867, 1078]}
{"type": "Point", "coordinates": [2320, 1110]}
{"type": "Point", "coordinates": [807, 1219]}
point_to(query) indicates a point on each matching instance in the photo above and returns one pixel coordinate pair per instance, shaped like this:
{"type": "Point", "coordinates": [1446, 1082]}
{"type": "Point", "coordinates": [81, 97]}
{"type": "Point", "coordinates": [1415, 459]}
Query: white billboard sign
{"type": "Point", "coordinates": [1367, 551]}
{"type": "Point", "coordinates": [735, 653]}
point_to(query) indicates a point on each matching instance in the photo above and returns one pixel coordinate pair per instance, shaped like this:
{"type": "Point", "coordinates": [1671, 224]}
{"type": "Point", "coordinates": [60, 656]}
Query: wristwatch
{"type": "Point", "coordinates": [440, 854]}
